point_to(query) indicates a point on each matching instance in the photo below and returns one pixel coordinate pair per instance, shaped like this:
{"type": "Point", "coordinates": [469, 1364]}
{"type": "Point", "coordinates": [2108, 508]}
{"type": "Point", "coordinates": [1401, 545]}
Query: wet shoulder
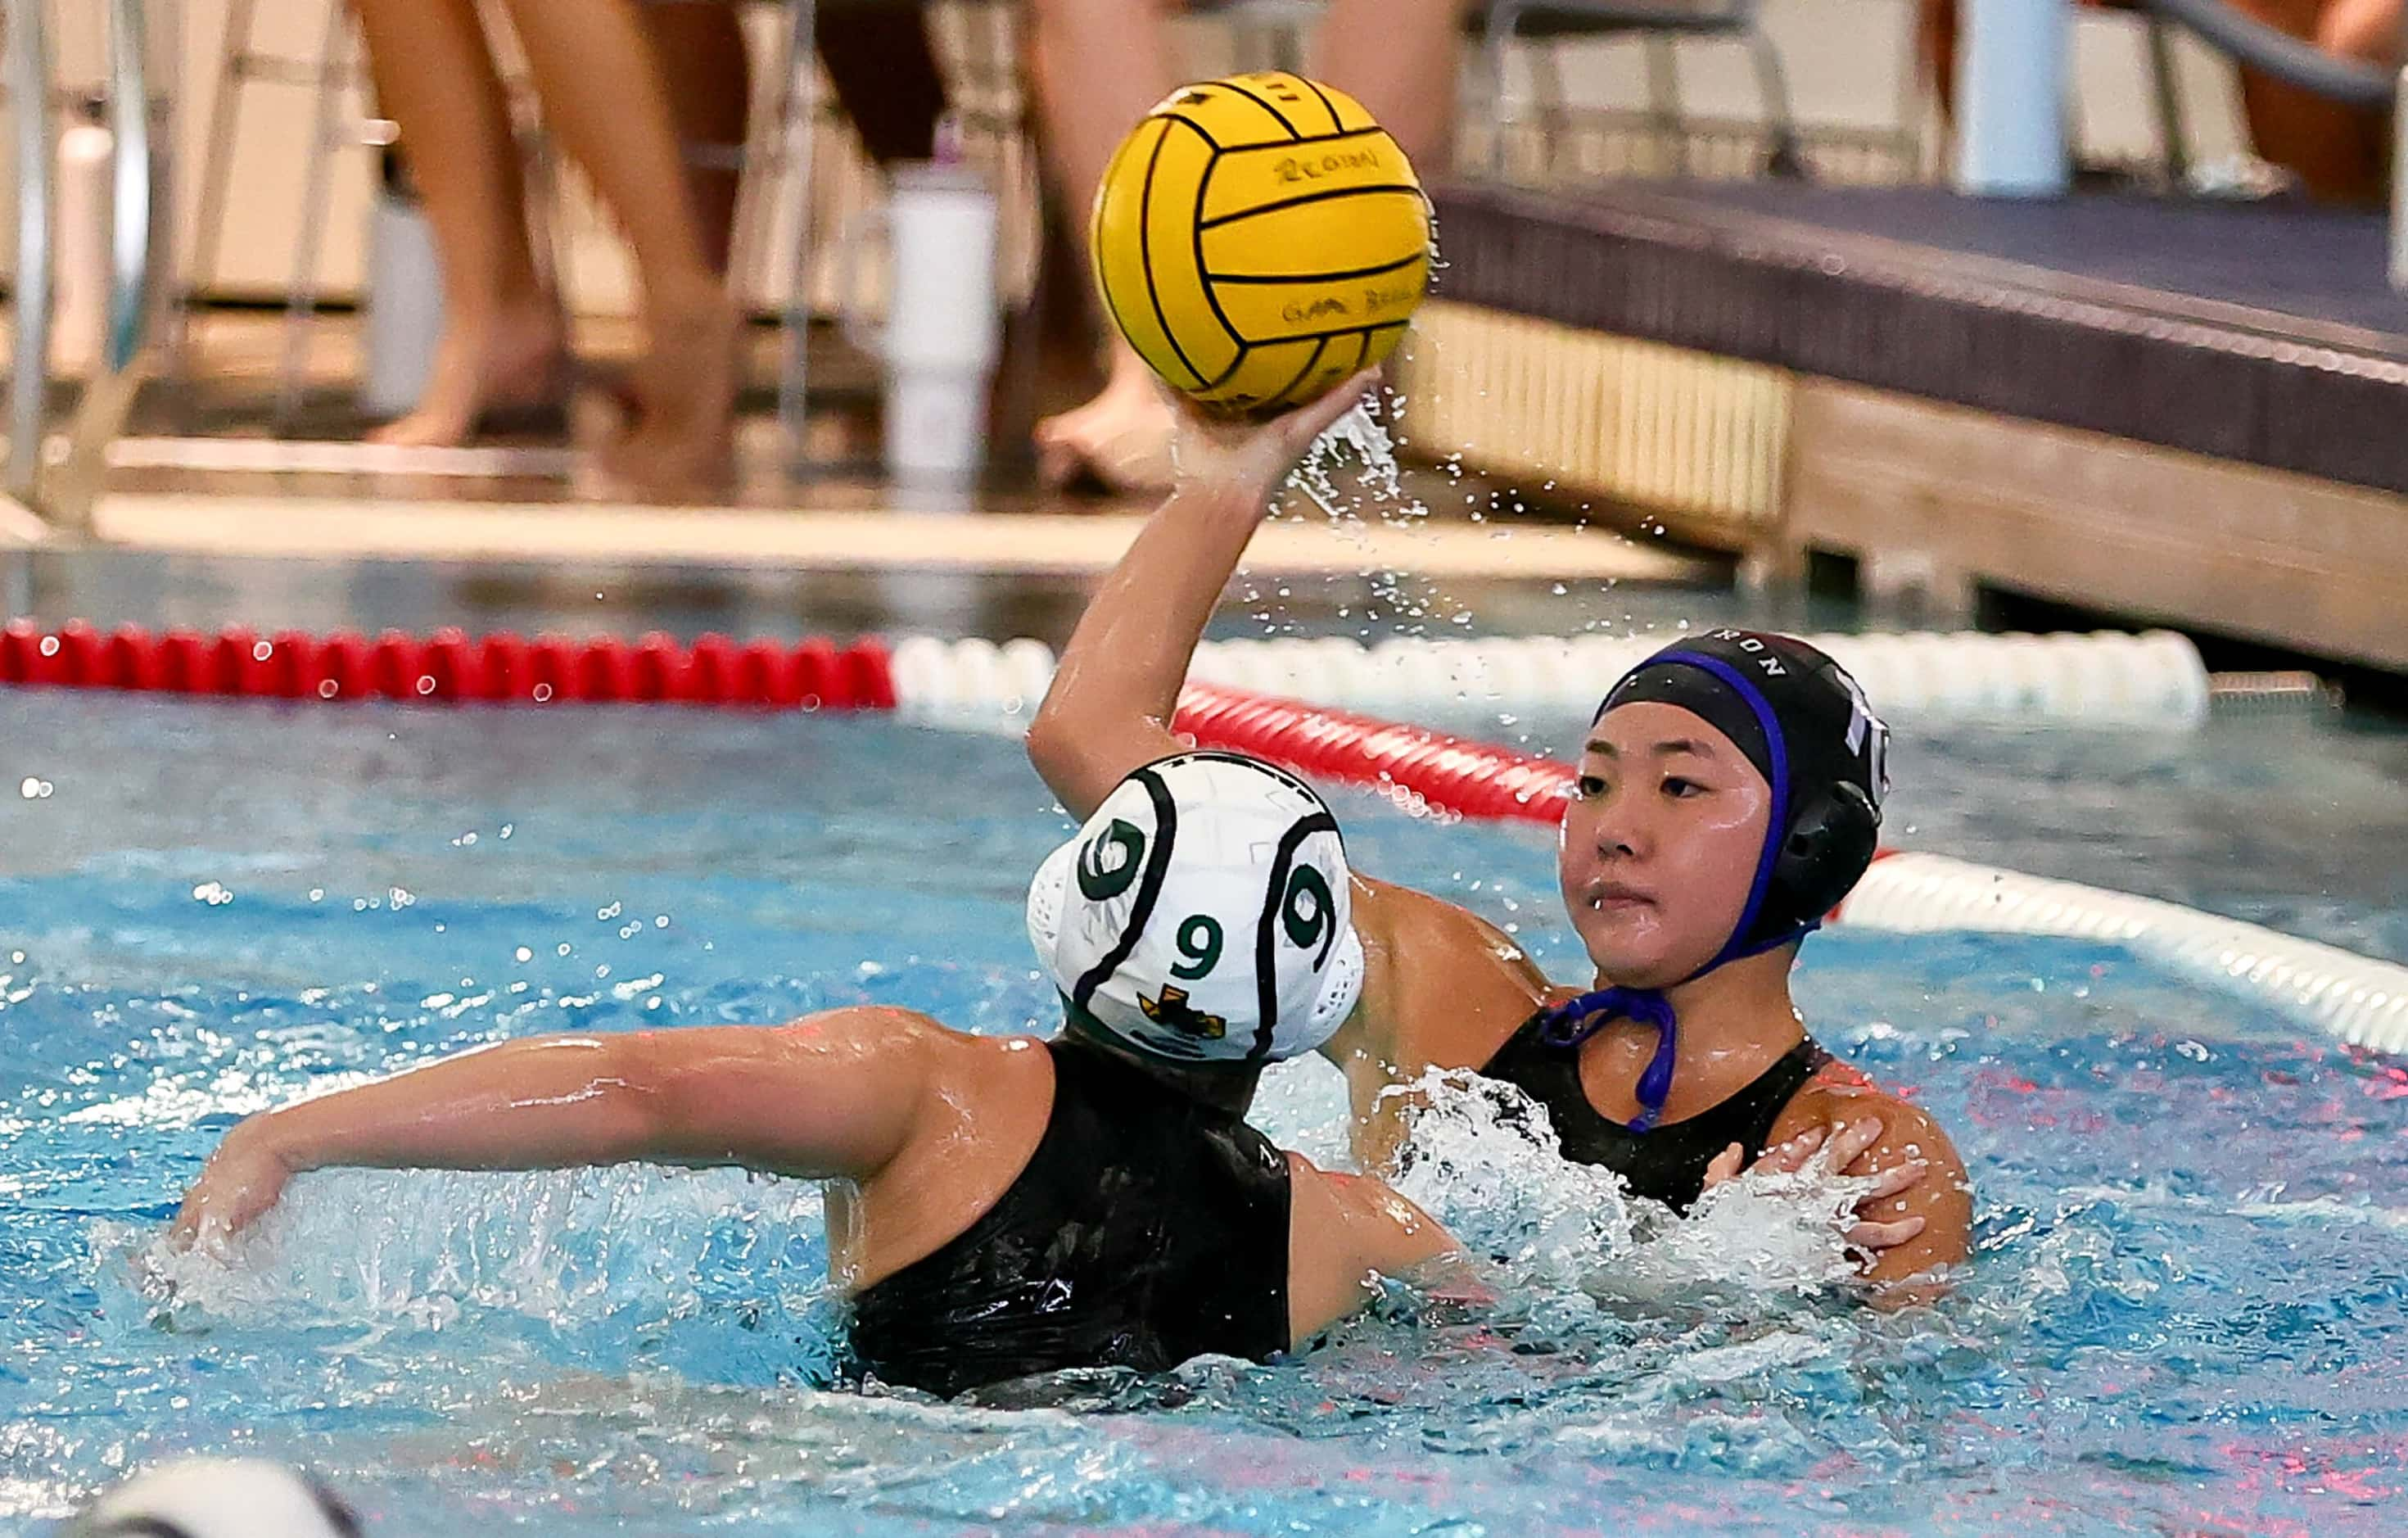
{"type": "Point", "coordinates": [1839, 1093]}
{"type": "Point", "coordinates": [1344, 1225]}
{"type": "Point", "coordinates": [1444, 985]}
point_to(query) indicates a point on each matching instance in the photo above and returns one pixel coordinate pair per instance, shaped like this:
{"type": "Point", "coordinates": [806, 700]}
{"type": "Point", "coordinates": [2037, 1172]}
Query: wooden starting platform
{"type": "Point", "coordinates": [2191, 413]}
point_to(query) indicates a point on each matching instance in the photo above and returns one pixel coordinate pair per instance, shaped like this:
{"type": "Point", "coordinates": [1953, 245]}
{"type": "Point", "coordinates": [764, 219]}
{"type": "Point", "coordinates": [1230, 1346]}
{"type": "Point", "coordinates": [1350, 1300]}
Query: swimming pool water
{"type": "Point", "coordinates": [2184, 1316]}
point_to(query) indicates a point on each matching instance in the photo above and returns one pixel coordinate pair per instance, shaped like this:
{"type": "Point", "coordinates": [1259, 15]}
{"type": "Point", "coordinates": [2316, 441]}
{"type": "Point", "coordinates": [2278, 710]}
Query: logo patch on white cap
{"type": "Point", "coordinates": [1203, 913]}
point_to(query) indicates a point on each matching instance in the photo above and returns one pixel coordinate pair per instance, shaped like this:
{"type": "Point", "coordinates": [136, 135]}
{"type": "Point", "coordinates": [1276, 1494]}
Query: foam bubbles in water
{"type": "Point", "coordinates": [1759, 1233]}
{"type": "Point", "coordinates": [1482, 1160]}
{"type": "Point", "coordinates": [423, 1248]}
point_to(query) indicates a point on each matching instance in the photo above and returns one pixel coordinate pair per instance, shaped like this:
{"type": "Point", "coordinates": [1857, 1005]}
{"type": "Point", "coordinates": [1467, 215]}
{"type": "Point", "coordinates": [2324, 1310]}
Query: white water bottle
{"type": "Point", "coordinates": [2010, 62]}
{"type": "Point", "coordinates": [405, 297]}
{"type": "Point", "coordinates": [943, 328]}
{"type": "Point", "coordinates": [81, 266]}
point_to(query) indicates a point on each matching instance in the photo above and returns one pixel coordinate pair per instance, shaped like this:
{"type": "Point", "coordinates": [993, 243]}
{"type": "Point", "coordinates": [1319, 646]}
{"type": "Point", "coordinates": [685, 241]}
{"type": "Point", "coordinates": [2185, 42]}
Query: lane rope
{"type": "Point", "coordinates": [2359, 1000]}
{"type": "Point", "coordinates": [2152, 681]}
{"type": "Point", "coordinates": [449, 668]}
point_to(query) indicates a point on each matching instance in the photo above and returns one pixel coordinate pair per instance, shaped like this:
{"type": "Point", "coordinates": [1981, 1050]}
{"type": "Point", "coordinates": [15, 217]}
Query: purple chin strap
{"type": "Point", "coordinates": [1567, 1024]}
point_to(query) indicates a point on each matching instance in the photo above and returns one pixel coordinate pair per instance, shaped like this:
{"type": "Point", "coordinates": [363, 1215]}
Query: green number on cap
{"type": "Point", "coordinates": [1310, 914]}
{"type": "Point", "coordinates": [1100, 884]}
{"type": "Point", "coordinates": [1199, 941]}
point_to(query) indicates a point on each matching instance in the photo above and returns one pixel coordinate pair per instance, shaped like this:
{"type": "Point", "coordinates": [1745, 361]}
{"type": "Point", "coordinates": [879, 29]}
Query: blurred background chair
{"type": "Point", "coordinates": [1659, 25]}
{"type": "Point", "coordinates": [2251, 44]}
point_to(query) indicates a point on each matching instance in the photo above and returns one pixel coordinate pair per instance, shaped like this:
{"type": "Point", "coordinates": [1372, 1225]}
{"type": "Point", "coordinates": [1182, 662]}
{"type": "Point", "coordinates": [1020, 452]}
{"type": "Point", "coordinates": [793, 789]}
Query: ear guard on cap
{"type": "Point", "coordinates": [1832, 839]}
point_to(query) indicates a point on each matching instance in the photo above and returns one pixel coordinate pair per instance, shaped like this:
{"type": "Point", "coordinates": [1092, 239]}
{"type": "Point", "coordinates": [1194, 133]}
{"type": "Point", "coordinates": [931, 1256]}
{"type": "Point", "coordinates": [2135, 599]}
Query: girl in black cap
{"type": "Point", "coordinates": [1729, 795]}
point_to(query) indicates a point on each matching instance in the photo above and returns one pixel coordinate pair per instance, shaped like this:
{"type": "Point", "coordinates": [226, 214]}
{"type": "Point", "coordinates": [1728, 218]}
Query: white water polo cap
{"type": "Point", "coordinates": [1202, 914]}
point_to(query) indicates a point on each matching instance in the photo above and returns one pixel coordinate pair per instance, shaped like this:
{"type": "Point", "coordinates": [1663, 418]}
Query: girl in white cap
{"type": "Point", "coordinates": [997, 1207]}
{"type": "Point", "coordinates": [1729, 796]}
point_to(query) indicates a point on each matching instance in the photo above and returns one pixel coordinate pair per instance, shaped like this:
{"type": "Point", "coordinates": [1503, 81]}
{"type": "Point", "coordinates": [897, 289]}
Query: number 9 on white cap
{"type": "Point", "coordinates": [1202, 914]}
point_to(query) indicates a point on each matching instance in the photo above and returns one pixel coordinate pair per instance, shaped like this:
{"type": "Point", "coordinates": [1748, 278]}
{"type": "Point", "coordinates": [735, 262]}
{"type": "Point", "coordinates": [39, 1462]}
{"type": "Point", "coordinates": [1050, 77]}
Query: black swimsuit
{"type": "Point", "coordinates": [1667, 1164]}
{"type": "Point", "coordinates": [1148, 1228]}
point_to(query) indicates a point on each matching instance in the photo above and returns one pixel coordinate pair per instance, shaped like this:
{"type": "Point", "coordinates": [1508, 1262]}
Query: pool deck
{"type": "Point", "coordinates": [2185, 411]}
{"type": "Point", "coordinates": [907, 538]}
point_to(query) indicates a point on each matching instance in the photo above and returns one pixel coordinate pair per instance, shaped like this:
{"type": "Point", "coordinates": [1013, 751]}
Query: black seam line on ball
{"type": "Point", "coordinates": [1318, 348]}
{"type": "Point", "coordinates": [1336, 123]}
{"type": "Point", "coordinates": [1398, 266]}
{"type": "Point", "coordinates": [1300, 200]}
{"type": "Point", "coordinates": [1145, 253]}
{"type": "Point", "coordinates": [1268, 105]}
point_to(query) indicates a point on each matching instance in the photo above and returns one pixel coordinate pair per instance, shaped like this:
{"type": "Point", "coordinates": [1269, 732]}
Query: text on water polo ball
{"type": "Point", "coordinates": [1314, 168]}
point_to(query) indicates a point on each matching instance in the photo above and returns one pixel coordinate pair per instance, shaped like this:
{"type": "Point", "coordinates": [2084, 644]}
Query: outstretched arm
{"type": "Point", "coordinates": [831, 1094]}
{"type": "Point", "coordinates": [1117, 685]}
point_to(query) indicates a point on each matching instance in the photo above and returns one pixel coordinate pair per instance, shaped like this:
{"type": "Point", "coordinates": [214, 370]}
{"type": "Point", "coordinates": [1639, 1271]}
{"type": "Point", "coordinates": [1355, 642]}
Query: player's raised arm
{"type": "Point", "coordinates": [1118, 682]}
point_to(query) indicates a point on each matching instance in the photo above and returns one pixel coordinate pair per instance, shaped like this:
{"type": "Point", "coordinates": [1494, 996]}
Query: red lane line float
{"type": "Point", "coordinates": [1431, 769]}
{"type": "Point", "coordinates": [451, 668]}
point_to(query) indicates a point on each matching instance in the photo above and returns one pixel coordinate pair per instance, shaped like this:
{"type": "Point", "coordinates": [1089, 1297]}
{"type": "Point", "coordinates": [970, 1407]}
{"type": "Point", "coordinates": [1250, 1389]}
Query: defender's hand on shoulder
{"type": "Point", "coordinates": [1839, 1147]}
{"type": "Point", "coordinates": [1940, 1197]}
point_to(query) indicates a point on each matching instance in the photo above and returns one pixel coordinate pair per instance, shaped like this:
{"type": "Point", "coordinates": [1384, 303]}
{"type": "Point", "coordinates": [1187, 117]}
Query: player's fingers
{"type": "Point", "coordinates": [1787, 1158]}
{"type": "Point", "coordinates": [1850, 1142]}
{"type": "Point", "coordinates": [1894, 1180]}
{"type": "Point", "coordinates": [1883, 1236]}
{"type": "Point", "coordinates": [1724, 1167]}
{"type": "Point", "coordinates": [1309, 421]}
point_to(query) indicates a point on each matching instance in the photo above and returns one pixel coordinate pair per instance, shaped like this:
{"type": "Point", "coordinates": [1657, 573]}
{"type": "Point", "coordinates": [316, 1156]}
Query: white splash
{"type": "Point", "coordinates": [1481, 1157]}
{"type": "Point", "coordinates": [422, 1247]}
{"type": "Point", "coordinates": [1483, 1160]}
{"type": "Point", "coordinates": [1375, 486]}
{"type": "Point", "coordinates": [1758, 1234]}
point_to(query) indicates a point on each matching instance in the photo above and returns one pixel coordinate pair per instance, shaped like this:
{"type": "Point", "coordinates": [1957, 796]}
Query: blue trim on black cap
{"type": "Point", "coordinates": [1776, 748]}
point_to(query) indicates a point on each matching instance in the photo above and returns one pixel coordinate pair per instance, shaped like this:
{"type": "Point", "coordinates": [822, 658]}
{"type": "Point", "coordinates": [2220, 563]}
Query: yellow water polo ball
{"type": "Point", "coordinates": [1258, 239]}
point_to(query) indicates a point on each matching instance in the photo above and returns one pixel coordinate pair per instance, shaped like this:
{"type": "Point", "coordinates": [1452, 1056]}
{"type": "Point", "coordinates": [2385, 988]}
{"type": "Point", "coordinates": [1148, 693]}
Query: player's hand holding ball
{"type": "Point", "coordinates": [1250, 457]}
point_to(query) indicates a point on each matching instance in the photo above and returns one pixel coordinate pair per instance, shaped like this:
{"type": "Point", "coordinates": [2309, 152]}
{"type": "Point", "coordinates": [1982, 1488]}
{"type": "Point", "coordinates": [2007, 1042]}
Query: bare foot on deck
{"type": "Point", "coordinates": [678, 442]}
{"type": "Point", "coordinates": [512, 372]}
{"type": "Point", "coordinates": [1121, 437]}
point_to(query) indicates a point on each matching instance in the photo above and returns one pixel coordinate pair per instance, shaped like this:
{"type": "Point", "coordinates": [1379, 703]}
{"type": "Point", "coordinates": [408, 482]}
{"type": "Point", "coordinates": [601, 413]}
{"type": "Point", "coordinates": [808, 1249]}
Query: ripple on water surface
{"type": "Point", "coordinates": [2183, 1317]}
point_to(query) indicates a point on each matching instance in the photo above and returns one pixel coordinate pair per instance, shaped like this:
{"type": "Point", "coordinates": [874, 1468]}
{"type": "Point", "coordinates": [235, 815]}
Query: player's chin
{"type": "Point", "coordinates": [1629, 945]}
{"type": "Point", "coordinates": [1619, 941]}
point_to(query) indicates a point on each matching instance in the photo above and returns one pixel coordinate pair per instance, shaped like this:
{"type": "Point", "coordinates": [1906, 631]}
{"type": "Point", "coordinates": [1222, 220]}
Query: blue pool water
{"type": "Point", "coordinates": [2185, 1316]}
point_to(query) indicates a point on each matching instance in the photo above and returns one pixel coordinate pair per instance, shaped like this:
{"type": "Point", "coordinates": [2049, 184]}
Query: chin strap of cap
{"type": "Point", "coordinates": [1575, 1020]}
{"type": "Point", "coordinates": [1567, 1024]}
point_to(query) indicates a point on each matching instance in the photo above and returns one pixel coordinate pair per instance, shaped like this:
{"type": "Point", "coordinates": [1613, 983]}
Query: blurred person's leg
{"type": "Point", "coordinates": [2364, 30]}
{"type": "Point", "coordinates": [698, 46]}
{"type": "Point", "coordinates": [503, 345]}
{"type": "Point", "coordinates": [1099, 64]}
{"type": "Point", "coordinates": [1401, 59]}
{"type": "Point", "coordinates": [604, 100]}
{"type": "Point", "coordinates": [2335, 151]}
{"type": "Point", "coordinates": [1936, 46]}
